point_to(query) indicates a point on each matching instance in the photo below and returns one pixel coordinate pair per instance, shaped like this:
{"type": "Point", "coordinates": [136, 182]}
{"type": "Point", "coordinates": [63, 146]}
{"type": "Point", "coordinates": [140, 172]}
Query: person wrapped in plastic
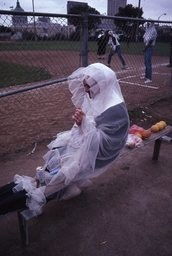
{"type": "Point", "coordinates": [76, 156]}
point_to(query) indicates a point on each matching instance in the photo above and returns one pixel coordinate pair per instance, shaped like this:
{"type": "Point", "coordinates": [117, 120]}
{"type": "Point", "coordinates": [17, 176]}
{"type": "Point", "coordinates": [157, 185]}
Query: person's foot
{"type": "Point", "coordinates": [124, 67]}
{"type": "Point", "coordinates": [148, 81]}
{"type": "Point", "coordinates": [70, 192]}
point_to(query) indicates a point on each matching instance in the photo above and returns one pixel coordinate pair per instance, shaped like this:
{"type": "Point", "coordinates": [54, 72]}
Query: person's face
{"type": "Point", "coordinates": [87, 88]}
{"type": "Point", "coordinates": [149, 24]}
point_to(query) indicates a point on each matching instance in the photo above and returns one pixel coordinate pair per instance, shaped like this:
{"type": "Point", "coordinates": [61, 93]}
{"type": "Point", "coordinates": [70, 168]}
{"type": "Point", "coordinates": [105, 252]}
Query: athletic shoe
{"type": "Point", "coordinates": [148, 81]}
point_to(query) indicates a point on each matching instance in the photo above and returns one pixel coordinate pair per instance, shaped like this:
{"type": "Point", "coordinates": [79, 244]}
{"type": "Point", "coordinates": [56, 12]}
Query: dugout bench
{"type": "Point", "coordinates": [25, 215]}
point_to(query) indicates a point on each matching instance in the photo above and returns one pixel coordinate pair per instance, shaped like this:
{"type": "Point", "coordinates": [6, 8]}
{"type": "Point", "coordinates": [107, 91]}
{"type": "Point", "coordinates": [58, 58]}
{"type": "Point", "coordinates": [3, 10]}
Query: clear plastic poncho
{"type": "Point", "coordinates": [72, 148]}
{"type": "Point", "coordinates": [74, 153]}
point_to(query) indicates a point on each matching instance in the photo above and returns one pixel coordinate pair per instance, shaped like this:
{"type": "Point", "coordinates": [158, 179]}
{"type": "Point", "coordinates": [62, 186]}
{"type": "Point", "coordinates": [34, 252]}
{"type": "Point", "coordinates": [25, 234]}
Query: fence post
{"type": "Point", "coordinates": [84, 40]}
{"type": "Point", "coordinates": [170, 59]}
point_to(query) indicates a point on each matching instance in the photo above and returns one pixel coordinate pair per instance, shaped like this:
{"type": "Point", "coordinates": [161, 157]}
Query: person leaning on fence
{"type": "Point", "coordinates": [149, 39]}
{"type": "Point", "coordinates": [115, 48]}
{"type": "Point", "coordinates": [95, 140]}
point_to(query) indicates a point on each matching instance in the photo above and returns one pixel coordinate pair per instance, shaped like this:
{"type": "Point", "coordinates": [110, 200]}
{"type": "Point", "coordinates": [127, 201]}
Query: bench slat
{"type": "Point", "coordinates": [154, 137]}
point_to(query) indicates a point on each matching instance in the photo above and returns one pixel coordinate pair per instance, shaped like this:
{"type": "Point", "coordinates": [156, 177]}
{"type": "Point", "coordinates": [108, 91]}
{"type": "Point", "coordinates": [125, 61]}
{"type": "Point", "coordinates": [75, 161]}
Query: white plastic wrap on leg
{"type": "Point", "coordinates": [36, 200]}
{"type": "Point", "coordinates": [24, 182]}
{"type": "Point", "coordinates": [56, 184]}
{"type": "Point", "coordinates": [35, 196]}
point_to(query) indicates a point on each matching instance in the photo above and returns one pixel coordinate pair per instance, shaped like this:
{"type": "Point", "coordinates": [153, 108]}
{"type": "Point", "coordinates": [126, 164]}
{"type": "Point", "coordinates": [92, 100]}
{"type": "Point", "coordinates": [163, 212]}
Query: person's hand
{"type": "Point", "coordinates": [78, 116]}
{"type": "Point", "coordinates": [150, 42]}
{"type": "Point", "coordinates": [145, 48]}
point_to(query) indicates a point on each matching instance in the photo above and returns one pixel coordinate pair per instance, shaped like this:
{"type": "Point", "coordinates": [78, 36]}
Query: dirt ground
{"type": "Point", "coordinates": [146, 116]}
{"type": "Point", "coordinates": [127, 211]}
{"type": "Point", "coordinates": [33, 116]}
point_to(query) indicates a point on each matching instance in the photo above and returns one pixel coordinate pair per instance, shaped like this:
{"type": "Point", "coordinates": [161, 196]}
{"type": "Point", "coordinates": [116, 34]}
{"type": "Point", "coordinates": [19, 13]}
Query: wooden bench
{"type": "Point", "coordinates": [157, 138]}
{"type": "Point", "coordinates": [25, 215]}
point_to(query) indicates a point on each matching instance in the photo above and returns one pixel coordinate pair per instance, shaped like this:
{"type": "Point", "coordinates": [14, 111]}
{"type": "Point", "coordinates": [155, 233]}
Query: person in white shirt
{"type": "Point", "coordinates": [149, 39]}
{"type": "Point", "coordinates": [115, 48]}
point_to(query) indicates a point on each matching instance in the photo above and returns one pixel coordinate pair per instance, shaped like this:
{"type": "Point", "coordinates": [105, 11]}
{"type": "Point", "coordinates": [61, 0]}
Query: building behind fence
{"type": "Point", "coordinates": [39, 50]}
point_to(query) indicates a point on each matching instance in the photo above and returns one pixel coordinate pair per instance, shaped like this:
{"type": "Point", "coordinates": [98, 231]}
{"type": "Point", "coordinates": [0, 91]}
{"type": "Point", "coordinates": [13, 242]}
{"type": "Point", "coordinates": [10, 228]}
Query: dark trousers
{"type": "Point", "coordinates": [118, 52]}
{"type": "Point", "coordinates": [10, 201]}
{"type": "Point", "coordinates": [148, 62]}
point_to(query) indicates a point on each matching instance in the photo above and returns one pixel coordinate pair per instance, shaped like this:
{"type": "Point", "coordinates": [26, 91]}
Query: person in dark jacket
{"type": "Point", "coordinates": [102, 41]}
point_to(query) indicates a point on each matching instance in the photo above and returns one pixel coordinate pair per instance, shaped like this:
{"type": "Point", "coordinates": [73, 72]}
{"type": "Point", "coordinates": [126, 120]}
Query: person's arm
{"type": "Point", "coordinates": [118, 36]}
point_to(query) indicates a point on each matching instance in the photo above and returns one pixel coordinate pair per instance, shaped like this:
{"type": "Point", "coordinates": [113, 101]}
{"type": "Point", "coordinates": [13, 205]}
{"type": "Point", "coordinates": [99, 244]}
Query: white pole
{"type": "Point", "coordinates": [34, 24]}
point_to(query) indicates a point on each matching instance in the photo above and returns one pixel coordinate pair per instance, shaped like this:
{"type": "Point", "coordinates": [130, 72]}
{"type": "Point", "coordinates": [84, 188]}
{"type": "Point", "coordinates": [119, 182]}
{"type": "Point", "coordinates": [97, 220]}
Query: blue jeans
{"type": "Point", "coordinates": [118, 52]}
{"type": "Point", "coordinates": [148, 62]}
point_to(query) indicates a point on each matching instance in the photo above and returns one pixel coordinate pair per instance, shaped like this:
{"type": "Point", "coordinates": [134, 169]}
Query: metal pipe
{"type": "Point", "coordinates": [34, 23]}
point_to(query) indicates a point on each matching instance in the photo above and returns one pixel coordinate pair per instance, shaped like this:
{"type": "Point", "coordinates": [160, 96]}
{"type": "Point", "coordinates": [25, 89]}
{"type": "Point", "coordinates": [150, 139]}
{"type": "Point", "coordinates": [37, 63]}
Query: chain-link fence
{"type": "Point", "coordinates": [37, 53]}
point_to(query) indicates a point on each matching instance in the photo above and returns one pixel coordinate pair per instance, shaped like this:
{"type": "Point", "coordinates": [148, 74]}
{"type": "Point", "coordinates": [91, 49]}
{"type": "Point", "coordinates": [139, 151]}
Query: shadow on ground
{"type": "Point", "coordinates": [126, 212]}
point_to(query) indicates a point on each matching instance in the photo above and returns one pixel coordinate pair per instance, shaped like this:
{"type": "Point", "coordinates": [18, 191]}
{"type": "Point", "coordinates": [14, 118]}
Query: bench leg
{"type": "Point", "coordinates": [156, 151]}
{"type": "Point", "coordinates": [23, 226]}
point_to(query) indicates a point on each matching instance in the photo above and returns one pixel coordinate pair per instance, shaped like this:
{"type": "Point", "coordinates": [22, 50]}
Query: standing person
{"type": "Point", "coordinates": [102, 43]}
{"type": "Point", "coordinates": [76, 156]}
{"type": "Point", "coordinates": [115, 48]}
{"type": "Point", "coordinates": [149, 39]}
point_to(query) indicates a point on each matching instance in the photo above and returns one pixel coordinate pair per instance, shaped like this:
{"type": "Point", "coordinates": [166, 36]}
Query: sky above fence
{"type": "Point", "coordinates": [157, 9]}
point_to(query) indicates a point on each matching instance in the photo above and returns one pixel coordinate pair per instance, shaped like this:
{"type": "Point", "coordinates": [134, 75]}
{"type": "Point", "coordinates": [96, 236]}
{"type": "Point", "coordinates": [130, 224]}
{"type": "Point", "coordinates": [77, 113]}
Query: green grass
{"type": "Point", "coordinates": [161, 49]}
{"type": "Point", "coordinates": [40, 46]}
{"type": "Point", "coordinates": [15, 74]}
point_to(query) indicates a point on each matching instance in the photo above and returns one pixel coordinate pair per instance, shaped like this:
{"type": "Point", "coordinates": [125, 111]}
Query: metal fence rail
{"type": "Point", "coordinates": [37, 53]}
